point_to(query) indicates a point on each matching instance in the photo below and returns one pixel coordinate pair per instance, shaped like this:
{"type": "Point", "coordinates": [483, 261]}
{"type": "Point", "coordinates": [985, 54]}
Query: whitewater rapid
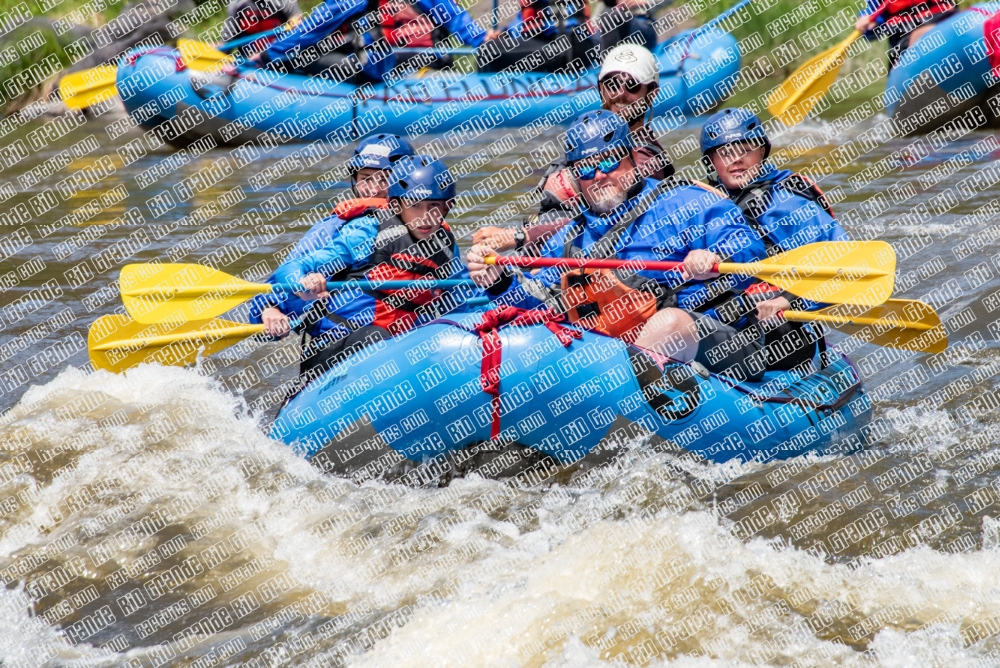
{"type": "Point", "coordinates": [160, 525]}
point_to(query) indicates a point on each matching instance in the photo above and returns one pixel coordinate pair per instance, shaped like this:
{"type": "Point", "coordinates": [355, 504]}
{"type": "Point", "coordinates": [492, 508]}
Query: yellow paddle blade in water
{"type": "Point", "coordinates": [201, 56]}
{"type": "Point", "coordinates": [833, 272]}
{"type": "Point", "coordinates": [79, 90]}
{"type": "Point", "coordinates": [796, 97]}
{"type": "Point", "coordinates": [179, 293]}
{"type": "Point", "coordinates": [116, 342]}
{"type": "Point", "coordinates": [898, 323]}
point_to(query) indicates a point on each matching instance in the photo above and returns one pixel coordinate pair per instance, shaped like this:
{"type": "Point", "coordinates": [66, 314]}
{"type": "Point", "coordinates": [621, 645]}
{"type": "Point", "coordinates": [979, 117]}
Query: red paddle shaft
{"type": "Point", "coordinates": [587, 263]}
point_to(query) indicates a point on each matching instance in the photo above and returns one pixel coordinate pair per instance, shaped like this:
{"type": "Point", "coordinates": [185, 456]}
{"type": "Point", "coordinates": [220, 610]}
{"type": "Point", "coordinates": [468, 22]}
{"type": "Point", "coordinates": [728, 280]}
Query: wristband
{"type": "Point", "coordinates": [520, 237]}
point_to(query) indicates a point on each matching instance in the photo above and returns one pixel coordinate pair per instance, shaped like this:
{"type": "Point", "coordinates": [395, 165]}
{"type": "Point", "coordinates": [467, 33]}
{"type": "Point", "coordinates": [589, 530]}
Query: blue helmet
{"type": "Point", "coordinates": [378, 152]}
{"type": "Point", "coordinates": [730, 126]}
{"type": "Point", "coordinates": [419, 177]}
{"type": "Point", "coordinates": [596, 132]}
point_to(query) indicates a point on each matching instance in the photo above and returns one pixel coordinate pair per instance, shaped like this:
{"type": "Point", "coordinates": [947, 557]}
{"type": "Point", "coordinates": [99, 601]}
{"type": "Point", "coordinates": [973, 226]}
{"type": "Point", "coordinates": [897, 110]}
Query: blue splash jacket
{"type": "Point", "coordinates": [683, 219]}
{"type": "Point", "coordinates": [350, 247]}
{"type": "Point", "coordinates": [333, 14]}
{"type": "Point", "coordinates": [791, 220]}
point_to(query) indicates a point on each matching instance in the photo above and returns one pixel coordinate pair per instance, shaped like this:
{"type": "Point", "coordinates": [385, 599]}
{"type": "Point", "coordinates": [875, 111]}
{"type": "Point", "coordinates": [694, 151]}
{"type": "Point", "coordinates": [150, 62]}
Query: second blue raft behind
{"type": "Point", "coordinates": [158, 90]}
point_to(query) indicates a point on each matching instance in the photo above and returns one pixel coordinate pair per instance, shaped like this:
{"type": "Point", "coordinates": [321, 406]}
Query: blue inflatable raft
{"type": "Point", "coordinates": [415, 406]}
{"type": "Point", "coordinates": [160, 92]}
{"type": "Point", "coordinates": [943, 75]}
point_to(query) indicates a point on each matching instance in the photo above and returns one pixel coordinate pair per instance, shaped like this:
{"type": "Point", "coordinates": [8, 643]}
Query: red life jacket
{"type": "Point", "coordinates": [402, 25]}
{"type": "Point", "coordinates": [532, 14]}
{"type": "Point", "coordinates": [398, 257]}
{"type": "Point", "coordinates": [251, 18]}
{"type": "Point", "coordinates": [356, 207]}
{"type": "Point", "coordinates": [253, 24]}
{"type": "Point", "coordinates": [916, 11]}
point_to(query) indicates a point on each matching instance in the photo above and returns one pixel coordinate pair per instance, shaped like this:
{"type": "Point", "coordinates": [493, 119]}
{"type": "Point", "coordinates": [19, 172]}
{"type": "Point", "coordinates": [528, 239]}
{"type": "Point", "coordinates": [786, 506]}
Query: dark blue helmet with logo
{"type": "Point", "coordinates": [420, 177]}
{"type": "Point", "coordinates": [596, 132]}
{"type": "Point", "coordinates": [378, 152]}
{"type": "Point", "coordinates": [730, 126]}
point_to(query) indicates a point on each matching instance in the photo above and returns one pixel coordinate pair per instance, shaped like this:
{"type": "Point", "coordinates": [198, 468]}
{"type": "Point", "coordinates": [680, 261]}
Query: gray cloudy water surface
{"type": "Point", "coordinates": [146, 520]}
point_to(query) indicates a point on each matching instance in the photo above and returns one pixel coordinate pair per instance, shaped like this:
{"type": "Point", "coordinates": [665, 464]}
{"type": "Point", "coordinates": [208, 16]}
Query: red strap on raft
{"type": "Point", "coordinates": [488, 331]}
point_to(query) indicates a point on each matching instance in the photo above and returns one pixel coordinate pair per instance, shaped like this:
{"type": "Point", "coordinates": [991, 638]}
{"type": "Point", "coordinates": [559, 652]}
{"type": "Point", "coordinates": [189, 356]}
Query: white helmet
{"type": "Point", "coordinates": [633, 60]}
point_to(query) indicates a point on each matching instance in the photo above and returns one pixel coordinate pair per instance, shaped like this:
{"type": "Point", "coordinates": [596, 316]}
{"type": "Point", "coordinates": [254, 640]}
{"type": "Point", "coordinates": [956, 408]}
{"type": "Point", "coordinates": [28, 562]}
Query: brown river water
{"type": "Point", "coordinates": [146, 520]}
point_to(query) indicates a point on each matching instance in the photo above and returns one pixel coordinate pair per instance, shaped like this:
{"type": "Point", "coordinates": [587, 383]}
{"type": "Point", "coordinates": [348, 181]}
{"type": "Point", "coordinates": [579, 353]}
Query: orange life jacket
{"type": "Point", "coordinates": [358, 206]}
{"type": "Point", "coordinates": [616, 302]}
{"type": "Point", "coordinates": [602, 301]}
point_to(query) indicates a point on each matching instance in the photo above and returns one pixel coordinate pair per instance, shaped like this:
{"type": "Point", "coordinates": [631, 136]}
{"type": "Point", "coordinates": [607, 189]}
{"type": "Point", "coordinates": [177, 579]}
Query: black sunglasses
{"type": "Point", "coordinates": [616, 83]}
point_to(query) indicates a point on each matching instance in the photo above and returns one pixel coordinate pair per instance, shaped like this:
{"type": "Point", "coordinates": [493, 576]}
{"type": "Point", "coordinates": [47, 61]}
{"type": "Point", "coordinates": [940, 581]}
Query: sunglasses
{"type": "Point", "coordinates": [606, 164]}
{"type": "Point", "coordinates": [618, 83]}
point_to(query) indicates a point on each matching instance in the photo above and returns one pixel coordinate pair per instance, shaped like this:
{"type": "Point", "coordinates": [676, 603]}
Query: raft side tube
{"type": "Point", "coordinates": [420, 397]}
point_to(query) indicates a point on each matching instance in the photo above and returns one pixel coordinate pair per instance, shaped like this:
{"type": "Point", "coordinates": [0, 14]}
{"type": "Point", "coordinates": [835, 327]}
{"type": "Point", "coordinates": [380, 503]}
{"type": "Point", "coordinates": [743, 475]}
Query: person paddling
{"type": "Point", "coordinates": [534, 40]}
{"type": "Point", "coordinates": [252, 17]}
{"type": "Point", "coordinates": [408, 240]}
{"type": "Point", "coordinates": [785, 209]}
{"type": "Point", "coordinates": [626, 20]}
{"type": "Point", "coordinates": [630, 216]}
{"type": "Point", "coordinates": [902, 21]}
{"type": "Point", "coordinates": [369, 168]}
{"type": "Point", "coordinates": [628, 83]}
{"type": "Point", "coordinates": [351, 40]}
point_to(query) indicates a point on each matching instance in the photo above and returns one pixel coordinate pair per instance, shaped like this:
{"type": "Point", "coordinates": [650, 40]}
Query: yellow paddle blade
{"type": "Point", "coordinates": [116, 342]}
{"type": "Point", "coordinates": [831, 272]}
{"type": "Point", "coordinates": [179, 293]}
{"type": "Point", "coordinates": [201, 56]}
{"type": "Point", "coordinates": [796, 97]}
{"type": "Point", "coordinates": [80, 90]}
{"type": "Point", "coordinates": [899, 323]}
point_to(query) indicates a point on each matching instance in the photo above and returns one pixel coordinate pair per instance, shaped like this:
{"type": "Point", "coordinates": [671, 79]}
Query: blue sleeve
{"type": "Point", "coordinates": [321, 22]}
{"type": "Point", "coordinates": [319, 236]}
{"type": "Point", "coordinates": [457, 21]}
{"type": "Point", "coordinates": [834, 232]}
{"type": "Point", "coordinates": [350, 249]}
{"type": "Point", "coordinates": [287, 302]}
{"type": "Point", "coordinates": [376, 63]}
{"type": "Point", "coordinates": [797, 221]}
{"type": "Point", "coordinates": [727, 234]}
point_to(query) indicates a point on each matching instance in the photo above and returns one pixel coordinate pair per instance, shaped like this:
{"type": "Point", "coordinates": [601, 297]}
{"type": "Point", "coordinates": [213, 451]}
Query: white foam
{"type": "Point", "coordinates": [491, 574]}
